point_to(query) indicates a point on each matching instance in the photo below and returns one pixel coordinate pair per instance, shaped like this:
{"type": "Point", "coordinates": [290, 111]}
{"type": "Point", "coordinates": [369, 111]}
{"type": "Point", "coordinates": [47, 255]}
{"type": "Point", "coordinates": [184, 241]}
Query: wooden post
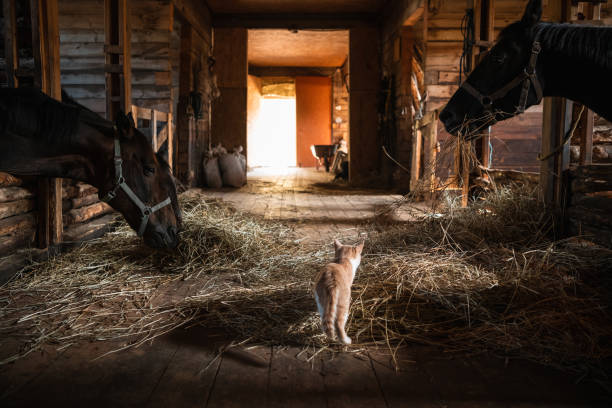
{"type": "Point", "coordinates": [117, 48]}
{"type": "Point", "coordinates": [184, 125]}
{"type": "Point", "coordinates": [431, 142]}
{"type": "Point", "coordinates": [153, 126]}
{"type": "Point", "coordinates": [555, 124]}
{"type": "Point", "coordinates": [45, 41]}
{"type": "Point", "coordinates": [10, 42]}
{"type": "Point", "coordinates": [415, 168]}
{"type": "Point", "coordinates": [170, 142]}
{"type": "Point", "coordinates": [585, 132]}
{"type": "Point", "coordinates": [364, 151]}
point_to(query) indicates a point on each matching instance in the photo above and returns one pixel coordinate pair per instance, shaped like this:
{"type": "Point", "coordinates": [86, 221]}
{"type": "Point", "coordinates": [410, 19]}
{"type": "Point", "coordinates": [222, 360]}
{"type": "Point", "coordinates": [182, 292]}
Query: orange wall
{"type": "Point", "coordinates": [313, 116]}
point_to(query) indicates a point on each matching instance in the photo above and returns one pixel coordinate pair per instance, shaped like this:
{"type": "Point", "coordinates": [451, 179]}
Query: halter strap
{"type": "Point", "coordinates": [120, 183]}
{"type": "Point", "coordinates": [528, 78]}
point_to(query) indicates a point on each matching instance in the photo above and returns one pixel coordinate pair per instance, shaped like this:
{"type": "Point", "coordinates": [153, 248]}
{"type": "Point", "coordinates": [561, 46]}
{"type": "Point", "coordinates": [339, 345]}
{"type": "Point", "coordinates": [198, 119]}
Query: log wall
{"type": "Point", "coordinates": [590, 202]}
{"type": "Point", "coordinates": [18, 215]}
{"type": "Point", "coordinates": [82, 52]}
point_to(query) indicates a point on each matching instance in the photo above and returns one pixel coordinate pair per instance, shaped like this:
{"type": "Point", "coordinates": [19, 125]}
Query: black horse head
{"type": "Point", "coordinates": [503, 84]}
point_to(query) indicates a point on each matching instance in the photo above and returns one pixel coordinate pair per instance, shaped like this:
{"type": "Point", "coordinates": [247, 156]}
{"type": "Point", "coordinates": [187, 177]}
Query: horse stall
{"type": "Point", "coordinates": [476, 204]}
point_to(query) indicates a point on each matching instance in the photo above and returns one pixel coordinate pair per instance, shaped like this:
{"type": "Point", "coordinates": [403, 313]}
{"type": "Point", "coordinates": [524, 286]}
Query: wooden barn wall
{"type": "Point", "coordinates": [191, 75]}
{"type": "Point", "coordinates": [364, 146]}
{"type": "Point", "coordinates": [82, 52]}
{"type": "Point", "coordinates": [397, 119]}
{"type": "Point", "coordinates": [340, 104]}
{"type": "Point", "coordinates": [18, 215]}
{"type": "Point", "coordinates": [230, 110]}
{"type": "Point", "coordinates": [516, 142]}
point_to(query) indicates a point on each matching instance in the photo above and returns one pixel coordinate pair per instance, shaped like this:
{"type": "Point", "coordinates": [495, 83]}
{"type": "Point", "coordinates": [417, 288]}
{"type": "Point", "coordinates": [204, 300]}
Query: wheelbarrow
{"type": "Point", "coordinates": [325, 153]}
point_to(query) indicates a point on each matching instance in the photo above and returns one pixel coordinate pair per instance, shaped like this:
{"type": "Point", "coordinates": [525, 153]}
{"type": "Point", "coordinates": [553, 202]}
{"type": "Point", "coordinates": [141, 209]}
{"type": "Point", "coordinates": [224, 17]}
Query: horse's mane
{"type": "Point", "coordinates": [589, 43]}
{"type": "Point", "coordinates": [30, 113]}
{"type": "Point", "coordinates": [88, 116]}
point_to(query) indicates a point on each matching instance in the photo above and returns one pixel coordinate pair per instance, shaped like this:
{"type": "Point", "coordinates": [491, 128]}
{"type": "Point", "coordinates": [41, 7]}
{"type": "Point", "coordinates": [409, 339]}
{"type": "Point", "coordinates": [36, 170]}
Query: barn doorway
{"type": "Point", "coordinates": [296, 95]}
{"type": "Point", "coordinates": [271, 123]}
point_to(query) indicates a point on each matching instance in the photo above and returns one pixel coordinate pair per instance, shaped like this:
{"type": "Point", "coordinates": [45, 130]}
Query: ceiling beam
{"type": "Point", "coordinates": [291, 71]}
{"type": "Point", "coordinates": [295, 21]}
{"type": "Point", "coordinates": [197, 14]}
{"type": "Point", "coordinates": [398, 13]}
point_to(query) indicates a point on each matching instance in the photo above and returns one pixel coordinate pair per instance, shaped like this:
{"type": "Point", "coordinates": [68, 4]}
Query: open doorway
{"type": "Point", "coordinates": [271, 118]}
{"type": "Point", "coordinates": [295, 96]}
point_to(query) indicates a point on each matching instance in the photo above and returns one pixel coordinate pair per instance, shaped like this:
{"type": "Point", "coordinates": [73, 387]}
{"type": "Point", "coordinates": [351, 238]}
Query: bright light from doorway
{"type": "Point", "coordinates": [272, 136]}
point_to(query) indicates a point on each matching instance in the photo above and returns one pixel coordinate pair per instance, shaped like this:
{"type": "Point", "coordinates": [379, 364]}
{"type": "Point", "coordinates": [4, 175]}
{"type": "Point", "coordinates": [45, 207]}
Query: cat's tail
{"type": "Point", "coordinates": [330, 310]}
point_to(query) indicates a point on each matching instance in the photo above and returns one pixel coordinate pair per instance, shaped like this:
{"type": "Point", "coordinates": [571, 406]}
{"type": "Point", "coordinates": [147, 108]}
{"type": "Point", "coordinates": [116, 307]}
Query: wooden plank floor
{"type": "Point", "coordinates": [196, 367]}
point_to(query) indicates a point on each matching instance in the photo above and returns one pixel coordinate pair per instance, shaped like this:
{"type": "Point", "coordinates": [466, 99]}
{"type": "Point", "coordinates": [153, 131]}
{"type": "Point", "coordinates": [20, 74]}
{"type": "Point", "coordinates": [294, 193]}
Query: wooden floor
{"type": "Point", "coordinates": [197, 368]}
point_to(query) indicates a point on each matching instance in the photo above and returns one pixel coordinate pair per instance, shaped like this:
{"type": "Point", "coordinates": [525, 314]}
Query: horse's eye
{"type": "Point", "coordinates": [499, 59]}
{"type": "Point", "coordinates": [148, 170]}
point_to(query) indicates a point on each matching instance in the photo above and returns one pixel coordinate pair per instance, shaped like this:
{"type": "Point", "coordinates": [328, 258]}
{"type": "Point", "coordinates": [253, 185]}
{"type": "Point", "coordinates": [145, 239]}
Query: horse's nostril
{"type": "Point", "coordinates": [172, 233]}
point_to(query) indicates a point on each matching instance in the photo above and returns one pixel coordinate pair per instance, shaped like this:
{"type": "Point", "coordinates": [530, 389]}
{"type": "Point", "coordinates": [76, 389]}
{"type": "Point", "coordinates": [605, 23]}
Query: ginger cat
{"type": "Point", "coordinates": [332, 290]}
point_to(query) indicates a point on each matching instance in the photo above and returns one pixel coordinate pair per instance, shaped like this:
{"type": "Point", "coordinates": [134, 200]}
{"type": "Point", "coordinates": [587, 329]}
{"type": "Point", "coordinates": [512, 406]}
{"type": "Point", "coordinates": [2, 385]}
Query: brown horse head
{"type": "Point", "coordinates": [149, 178]}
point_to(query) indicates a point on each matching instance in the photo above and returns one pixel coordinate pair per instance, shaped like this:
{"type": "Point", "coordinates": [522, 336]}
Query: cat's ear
{"type": "Point", "coordinates": [337, 244]}
{"type": "Point", "coordinates": [360, 246]}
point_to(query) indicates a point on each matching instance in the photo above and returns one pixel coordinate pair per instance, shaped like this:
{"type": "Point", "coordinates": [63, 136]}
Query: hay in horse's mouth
{"type": "Point", "coordinates": [472, 280]}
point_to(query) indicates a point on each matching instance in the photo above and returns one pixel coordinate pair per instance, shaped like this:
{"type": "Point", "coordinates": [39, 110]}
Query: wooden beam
{"type": "Point", "coordinates": [185, 120]}
{"type": "Point", "coordinates": [154, 130]}
{"type": "Point", "coordinates": [197, 15]}
{"type": "Point", "coordinates": [291, 71]}
{"type": "Point", "coordinates": [585, 133]}
{"type": "Point", "coordinates": [229, 112]}
{"type": "Point", "coordinates": [397, 13]}
{"type": "Point", "coordinates": [45, 39]}
{"type": "Point", "coordinates": [295, 21]}
{"type": "Point", "coordinates": [170, 142]}
{"type": "Point", "coordinates": [554, 126]}
{"type": "Point", "coordinates": [10, 42]}
{"type": "Point", "coordinates": [117, 48]}
{"type": "Point", "coordinates": [364, 149]}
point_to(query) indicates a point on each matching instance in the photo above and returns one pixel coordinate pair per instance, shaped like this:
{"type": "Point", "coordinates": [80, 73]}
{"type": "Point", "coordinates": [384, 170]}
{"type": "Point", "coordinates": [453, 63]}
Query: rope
{"type": "Point", "coordinates": [568, 137]}
{"type": "Point", "coordinates": [394, 161]}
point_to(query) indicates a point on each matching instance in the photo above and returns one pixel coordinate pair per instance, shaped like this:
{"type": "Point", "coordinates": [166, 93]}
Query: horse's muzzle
{"type": "Point", "coordinates": [160, 238]}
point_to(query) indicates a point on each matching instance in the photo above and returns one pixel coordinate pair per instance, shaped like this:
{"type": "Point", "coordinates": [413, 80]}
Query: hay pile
{"type": "Point", "coordinates": [468, 280]}
{"type": "Point", "coordinates": [488, 278]}
{"type": "Point", "coordinates": [115, 288]}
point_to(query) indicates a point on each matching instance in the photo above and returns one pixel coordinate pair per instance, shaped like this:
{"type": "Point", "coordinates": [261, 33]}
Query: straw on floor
{"type": "Point", "coordinates": [486, 278]}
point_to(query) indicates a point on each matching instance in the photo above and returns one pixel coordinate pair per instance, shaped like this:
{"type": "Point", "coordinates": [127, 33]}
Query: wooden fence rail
{"type": "Point", "coordinates": [158, 135]}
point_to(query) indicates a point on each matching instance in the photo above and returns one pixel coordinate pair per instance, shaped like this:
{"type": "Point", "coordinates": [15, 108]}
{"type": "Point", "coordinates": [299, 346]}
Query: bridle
{"type": "Point", "coordinates": [528, 78]}
{"type": "Point", "coordinates": [145, 210]}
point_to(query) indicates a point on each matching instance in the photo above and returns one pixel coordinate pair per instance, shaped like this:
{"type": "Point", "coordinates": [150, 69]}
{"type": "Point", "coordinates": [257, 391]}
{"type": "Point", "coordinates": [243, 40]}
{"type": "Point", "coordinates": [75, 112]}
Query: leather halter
{"type": "Point", "coordinates": [145, 210]}
{"type": "Point", "coordinates": [528, 77]}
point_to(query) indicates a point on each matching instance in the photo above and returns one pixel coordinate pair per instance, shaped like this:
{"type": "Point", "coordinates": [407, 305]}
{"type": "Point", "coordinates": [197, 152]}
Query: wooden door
{"type": "Point", "coordinates": [313, 116]}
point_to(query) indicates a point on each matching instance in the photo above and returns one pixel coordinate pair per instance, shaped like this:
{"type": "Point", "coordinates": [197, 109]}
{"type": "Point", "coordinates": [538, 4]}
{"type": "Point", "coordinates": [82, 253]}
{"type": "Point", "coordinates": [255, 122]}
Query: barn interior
{"type": "Point", "coordinates": [485, 279]}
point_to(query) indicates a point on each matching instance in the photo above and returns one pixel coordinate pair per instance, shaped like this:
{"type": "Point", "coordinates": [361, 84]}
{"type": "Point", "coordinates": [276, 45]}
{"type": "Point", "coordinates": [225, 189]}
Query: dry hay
{"type": "Point", "coordinates": [115, 288]}
{"type": "Point", "coordinates": [485, 278]}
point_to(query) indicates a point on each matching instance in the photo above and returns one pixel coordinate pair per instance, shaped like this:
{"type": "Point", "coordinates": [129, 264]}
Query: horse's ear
{"type": "Point", "coordinates": [533, 13]}
{"type": "Point", "coordinates": [125, 124]}
{"type": "Point", "coordinates": [131, 120]}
